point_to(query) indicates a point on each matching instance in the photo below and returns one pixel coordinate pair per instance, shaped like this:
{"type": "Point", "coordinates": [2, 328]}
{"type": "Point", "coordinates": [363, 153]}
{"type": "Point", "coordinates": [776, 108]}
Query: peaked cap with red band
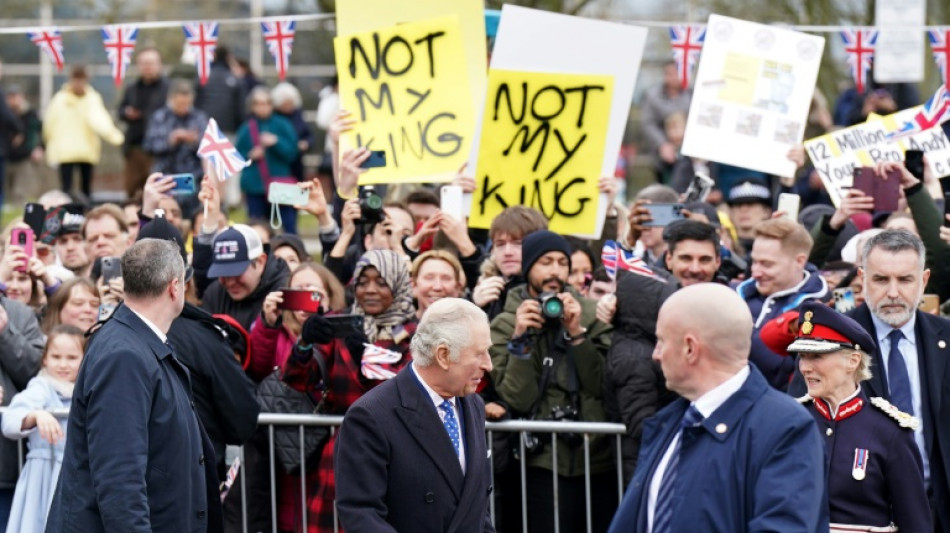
{"type": "Point", "coordinates": [821, 329]}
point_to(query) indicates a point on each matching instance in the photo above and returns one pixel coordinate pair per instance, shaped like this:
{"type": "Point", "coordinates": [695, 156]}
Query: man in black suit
{"type": "Point", "coordinates": [136, 458]}
{"type": "Point", "coordinates": [411, 455]}
{"type": "Point", "coordinates": [894, 280]}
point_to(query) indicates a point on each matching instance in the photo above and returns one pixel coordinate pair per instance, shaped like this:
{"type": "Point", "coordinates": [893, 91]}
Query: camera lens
{"type": "Point", "coordinates": [551, 306]}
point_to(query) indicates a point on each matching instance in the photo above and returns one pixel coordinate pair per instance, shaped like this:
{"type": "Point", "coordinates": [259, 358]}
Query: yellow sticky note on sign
{"type": "Point", "coordinates": [408, 89]}
{"type": "Point", "coordinates": [542, 145]}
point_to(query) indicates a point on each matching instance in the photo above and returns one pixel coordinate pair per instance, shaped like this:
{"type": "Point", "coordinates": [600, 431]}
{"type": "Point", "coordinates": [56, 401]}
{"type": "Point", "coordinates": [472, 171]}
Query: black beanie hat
{"type": "Point", "coordinates": [536, 244]}
{"type": "Point", "coordinates": [160, 228]}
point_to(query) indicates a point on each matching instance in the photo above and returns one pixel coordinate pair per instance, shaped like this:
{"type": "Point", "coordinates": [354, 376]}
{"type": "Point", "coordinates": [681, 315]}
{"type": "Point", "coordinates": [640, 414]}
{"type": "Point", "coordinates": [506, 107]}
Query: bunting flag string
{"type": "Point", "coordinates": [859, 45]}
{"type": "Point", "coordinates": [279, 36]}
{"type": "Point", "coordinates": [220, 152]}
{"type": "Point", "coordinates": [119, 42]}
{"type": "Point", "coordinates": [687, 43]}
{"type": "Point", "coordinates": [940, 45]}
{"type": "Point", "coordinates": [202, 39]}
{"type": "Point", "coordinates": [50, 41]}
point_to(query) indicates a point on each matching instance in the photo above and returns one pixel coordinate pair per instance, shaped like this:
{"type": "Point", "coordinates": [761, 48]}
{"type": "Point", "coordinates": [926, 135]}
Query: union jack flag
{"type": "Point", "coordinates": [202, 38]}
{"type": "Point", "coordinates": [940, 44]}
{"type": "Point", "coordinates": [614, 257]}
{"type": "Point", "coordinates": [50, 41]}
{"type": "Point", "coordinates": [687, 42]}
{"type": "Point", "coordinates": [279, 36]}
{"type": "Point", "coordinates": [119, 42]}
{"type": "Point", "coordinates": [933, 113]}
{"type": "Point", "coordinates": [220, 153]}
{"type": "Point", "coordinates": [859, 45]}
{"type": "Point", "coordinates": [377, 362]}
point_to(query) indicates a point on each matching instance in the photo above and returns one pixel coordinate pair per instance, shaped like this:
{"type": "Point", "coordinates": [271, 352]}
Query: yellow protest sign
{"type": "Point", "coordinates": [359, 16]}
{"type": "Point", "coordinates": [407, 87]}
{"type": "Point", "coordinates": [542, 145]}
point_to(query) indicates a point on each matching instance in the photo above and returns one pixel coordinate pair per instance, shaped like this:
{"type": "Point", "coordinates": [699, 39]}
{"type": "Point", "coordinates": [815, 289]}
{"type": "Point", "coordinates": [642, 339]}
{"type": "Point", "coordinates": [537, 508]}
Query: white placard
{"type": "Point", "coordinates": [899, 54]}
{"type": "Point", "coordinates": [541, 41]}
{"type": "Point", "coordinates": [753, 89]}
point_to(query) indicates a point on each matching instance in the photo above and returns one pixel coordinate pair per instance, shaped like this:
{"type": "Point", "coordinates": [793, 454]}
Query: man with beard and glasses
{"type": "Point", "coordinates": [548, 364]}
{"type": "Point", "coordinates": [911, 362]}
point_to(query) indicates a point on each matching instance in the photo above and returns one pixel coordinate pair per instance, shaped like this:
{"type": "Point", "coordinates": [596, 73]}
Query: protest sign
{"type": "Point", "coordinates": [836, 154]}
{"type": "Point", "coordinates": [540, 41]}
{"type": "Point", "coordinates": [408, 89]}
{"type": "Point", "coordinates": [359, 16]}
{"type": "Point", "coordinates": [751, 97]}
{"type": "Point", "coordinates": [542, 146]}
{"type": "Point", "coordinates": [899, 52]}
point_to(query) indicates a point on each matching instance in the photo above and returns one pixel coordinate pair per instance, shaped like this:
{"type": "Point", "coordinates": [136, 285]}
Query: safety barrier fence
{"type": "Point", "coordinates": [544, 430]}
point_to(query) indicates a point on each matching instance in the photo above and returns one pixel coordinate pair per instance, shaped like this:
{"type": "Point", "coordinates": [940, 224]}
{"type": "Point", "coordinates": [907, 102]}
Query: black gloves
{"type": "Point", "coordinates": [316, 330]}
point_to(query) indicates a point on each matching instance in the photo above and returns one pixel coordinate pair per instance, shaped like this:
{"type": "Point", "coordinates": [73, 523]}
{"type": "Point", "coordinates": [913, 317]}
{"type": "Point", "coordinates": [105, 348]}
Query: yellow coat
{"type": "Point", "coordinates": [72, 127]}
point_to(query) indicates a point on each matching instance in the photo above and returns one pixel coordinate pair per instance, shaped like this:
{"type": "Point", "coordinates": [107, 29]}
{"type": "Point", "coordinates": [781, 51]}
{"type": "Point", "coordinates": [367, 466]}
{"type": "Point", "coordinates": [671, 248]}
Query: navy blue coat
{"type": "Point", "coordinates": [891, 485]}
{"type": "Point", "coordinates": [133, 460]}
{"type": "Point", "coordinates": [396, 469]}
{"type": "Point", "coordinates": [756, 464]}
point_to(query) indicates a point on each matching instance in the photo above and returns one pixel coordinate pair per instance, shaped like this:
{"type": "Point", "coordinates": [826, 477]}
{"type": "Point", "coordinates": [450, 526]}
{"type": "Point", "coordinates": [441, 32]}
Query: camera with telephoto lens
{"type": "Point", "coordinates": [552, 307]}
{"type": "Point", "coordinates": [567, 414]}
{"type": "Point", "coordinates": [371, 206]}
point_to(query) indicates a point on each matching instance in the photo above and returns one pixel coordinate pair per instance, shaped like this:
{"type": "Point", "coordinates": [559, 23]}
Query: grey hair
{"type": "Point", "coordinates": [447, 322]}
{"type": "Point", "coordinates": [863, 373]}
{"type": "Point", "coordinates": [260, 90]}
{"type": "Point", "coordinates": [894, 241]}
{"type": "Point", "coordinates": [181, 87]}
{"type": "Point", "coordinates": [149, 265]}
{"type": "Point", "coordinates": [284, 91]}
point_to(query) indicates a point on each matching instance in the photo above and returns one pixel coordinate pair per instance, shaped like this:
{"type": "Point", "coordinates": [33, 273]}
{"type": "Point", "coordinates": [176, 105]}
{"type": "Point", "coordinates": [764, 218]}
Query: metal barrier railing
{"type": "Point", "coordinates": [511, 426]}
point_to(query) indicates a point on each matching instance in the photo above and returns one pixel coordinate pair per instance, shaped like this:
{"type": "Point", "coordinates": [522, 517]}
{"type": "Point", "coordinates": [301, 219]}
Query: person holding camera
{"type": "Point", "coordinates": [548, 356]}
{"type": "Point", "coordinates": [356, 360]}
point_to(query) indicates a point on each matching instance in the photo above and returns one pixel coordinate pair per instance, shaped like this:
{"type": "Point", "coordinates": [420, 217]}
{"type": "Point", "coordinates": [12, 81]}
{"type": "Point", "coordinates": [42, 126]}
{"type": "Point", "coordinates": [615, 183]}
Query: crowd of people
{"type": "Point", "coordinates": [699, 336]}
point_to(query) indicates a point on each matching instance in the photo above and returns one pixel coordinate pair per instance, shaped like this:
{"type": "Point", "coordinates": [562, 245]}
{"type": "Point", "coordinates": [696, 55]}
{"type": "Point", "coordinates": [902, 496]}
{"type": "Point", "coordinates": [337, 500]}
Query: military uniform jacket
{"type": "Point", "coordinates": [875, 474]}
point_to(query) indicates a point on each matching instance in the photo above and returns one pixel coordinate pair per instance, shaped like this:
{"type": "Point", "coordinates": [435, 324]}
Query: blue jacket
{"type": "Point", "coordinates": [778, 369]}
{"type": "Point", "coordinates": [755, 465]}
{"type": "Point", "coordinates": [134, 459]}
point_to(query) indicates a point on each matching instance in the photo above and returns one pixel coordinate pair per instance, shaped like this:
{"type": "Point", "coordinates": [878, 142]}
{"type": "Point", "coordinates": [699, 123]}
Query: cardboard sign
{"type": "Point", "coordinates": [408, 88]}
{"type": "Point", "coordinates": [542, 144]}
{"type": "Point", "coordinates": [836, 154]}
{"type": "Point", "coordinates": [359, 16]}
{"type": "Point", "coordinates": [541, 41]}
{"type": "Point", "coordinates": [753, 88]}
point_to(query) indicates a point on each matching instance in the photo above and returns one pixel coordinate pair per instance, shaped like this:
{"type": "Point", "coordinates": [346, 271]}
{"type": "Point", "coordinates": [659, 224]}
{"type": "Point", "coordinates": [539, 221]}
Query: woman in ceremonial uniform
{"type": "Point", "coordinates": [875, 473]}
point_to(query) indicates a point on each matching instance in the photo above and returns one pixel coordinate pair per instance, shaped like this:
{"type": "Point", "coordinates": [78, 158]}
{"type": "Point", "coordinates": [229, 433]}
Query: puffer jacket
{"type": "Point", "coordinates": [517, 381]}
{"type": "Point", "coordinates": [776, 368]}
{"type": "Point", "coordinates": [73, 124]}
{"type": "Point", "coordinates": [634, 388]}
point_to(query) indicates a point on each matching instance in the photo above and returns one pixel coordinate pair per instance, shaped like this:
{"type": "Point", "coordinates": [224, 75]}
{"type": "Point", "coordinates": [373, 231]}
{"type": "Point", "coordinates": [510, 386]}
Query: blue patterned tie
{"type": "Point", "coordinates": [450, 423]}
{"type": "Point", "coordinates": [663, 513]}
{"type": "Point", "coordinates": [897, 377]}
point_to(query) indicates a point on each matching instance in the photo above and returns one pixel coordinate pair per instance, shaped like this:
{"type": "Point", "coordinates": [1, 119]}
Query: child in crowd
{"type": "Point", "coordinates": [29, 416]}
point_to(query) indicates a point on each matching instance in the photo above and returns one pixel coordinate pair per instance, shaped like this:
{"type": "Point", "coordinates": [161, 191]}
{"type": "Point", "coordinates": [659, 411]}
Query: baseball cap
{"type": "Point", "coordinates": [233, 250]}
{"type": "Point", "coordinates": [161, 228]}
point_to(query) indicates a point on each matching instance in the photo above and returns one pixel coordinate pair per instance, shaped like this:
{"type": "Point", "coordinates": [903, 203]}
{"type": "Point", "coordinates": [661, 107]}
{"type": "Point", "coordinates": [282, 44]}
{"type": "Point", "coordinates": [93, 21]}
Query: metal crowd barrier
{"type": "Point", "coordinates": [512, 426]}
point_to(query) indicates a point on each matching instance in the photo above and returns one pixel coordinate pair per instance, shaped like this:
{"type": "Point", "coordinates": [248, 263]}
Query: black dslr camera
{"type": "Point", "coordinates": [533, 445]}
{"type": "Point", "coordinates": [732, 265]}
{"type": "Point", "coordinates": [371, 206]}
{"type": "Point", "coordinates": [552, 308]}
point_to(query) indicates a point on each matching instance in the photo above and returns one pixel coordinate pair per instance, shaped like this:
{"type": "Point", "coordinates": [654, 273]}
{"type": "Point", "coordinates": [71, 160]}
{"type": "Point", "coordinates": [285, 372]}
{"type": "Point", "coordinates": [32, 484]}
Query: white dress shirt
{"type": "Point", "coordinates": [151, 326]}
{"type": "Point", "coordinates": [706, 405]}
{"type": "Point", "coordinates": [908, 348]}
{"type": "Point", "coordinates": [437, 401]}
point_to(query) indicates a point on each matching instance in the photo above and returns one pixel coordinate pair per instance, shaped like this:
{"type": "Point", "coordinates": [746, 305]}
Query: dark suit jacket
{"type": "Point", "coordinates": [396, 469]}
{"type": "Point", "coordinates": [933, 348]}
{"type": "Point", "coordinates": [134, 459]}
{"type": "Point", "coordinates": [756, 464]}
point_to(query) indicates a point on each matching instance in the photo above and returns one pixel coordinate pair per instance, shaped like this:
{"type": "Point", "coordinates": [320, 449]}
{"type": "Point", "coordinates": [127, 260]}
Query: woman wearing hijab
{"type": "Point", "coordinates": [356, 363]}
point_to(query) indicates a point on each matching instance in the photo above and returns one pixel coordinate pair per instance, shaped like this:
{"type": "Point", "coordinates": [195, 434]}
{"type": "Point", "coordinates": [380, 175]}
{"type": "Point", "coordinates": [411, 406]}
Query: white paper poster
{"type": "Point", "coordinates": [541, 41]}
{"type": "Point", "coordinates": [899, 54]}
{"type": "Point", "coordinates": [753, 88]}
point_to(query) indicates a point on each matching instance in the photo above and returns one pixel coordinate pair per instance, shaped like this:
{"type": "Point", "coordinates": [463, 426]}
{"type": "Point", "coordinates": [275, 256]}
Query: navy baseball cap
{"type": "Point", "coordinates": [233, 250]}
{"type": "Point", "coordinates": [821, 329]}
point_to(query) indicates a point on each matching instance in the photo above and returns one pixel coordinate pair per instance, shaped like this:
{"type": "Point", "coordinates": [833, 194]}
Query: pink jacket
{"type": "Point", "coordinates": [270, 348]}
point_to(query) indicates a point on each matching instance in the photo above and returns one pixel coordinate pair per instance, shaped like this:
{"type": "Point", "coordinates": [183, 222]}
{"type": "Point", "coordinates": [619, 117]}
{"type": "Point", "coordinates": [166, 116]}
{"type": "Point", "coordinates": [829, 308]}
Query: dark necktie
{"type": "Point", "coordinates": [897, 377]}
{"type": "Point", "coordinates": [450, 423]}
{"type": "Point", "coordinates": [663, 513]}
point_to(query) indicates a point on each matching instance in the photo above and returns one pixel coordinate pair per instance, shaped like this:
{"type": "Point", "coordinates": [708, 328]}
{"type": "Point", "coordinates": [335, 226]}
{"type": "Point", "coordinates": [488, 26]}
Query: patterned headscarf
{"type": "Point", "coordinates": [394, 270]}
